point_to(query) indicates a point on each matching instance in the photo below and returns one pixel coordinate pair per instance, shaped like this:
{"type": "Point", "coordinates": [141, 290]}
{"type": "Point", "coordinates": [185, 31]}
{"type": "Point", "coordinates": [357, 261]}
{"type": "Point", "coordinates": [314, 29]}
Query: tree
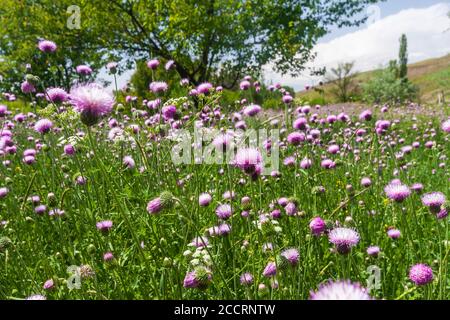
{"type": "Point", "coordinates": [206, 38]}
{"type": "Point", "coordinates": [342, 79]}
{"type": "Point", "coordinates": [24, 23]}
{"type": "Point", "coordinates": [403, 58]}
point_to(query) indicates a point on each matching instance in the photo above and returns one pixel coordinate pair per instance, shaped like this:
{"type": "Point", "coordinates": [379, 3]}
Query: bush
{"type": "Point", "coordinates": [385, 87]}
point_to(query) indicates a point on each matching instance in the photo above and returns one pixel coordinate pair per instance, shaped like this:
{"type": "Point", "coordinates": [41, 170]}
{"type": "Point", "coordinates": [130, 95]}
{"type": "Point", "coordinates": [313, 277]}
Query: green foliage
{"type": "Point", "coordinates": [224, 39]}
{"type": "Point", "coordinates": [342, 78]}
{"type": "Point", "coordinates": [386, 87]}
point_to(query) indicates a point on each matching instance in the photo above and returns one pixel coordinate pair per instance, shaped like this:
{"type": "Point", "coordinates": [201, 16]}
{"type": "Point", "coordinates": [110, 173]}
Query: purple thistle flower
{"type": "Point", "coordinates": [84, 70]}
{"type": "Point", "coordinates": [204, 199]}
{"type": "Point", "coordinates": [317, 226]}
{"type": "Point", "coordinates": [104, 226]}
{"type": "Point", "coordinates": [344, 239]}
{"type": "Point", "coordinates": [252, 110]}
{"type": "Point", "coordinates": [365, 115]}
{"type": "Point", "coordinates": [155, 206]}
{"type": "Point", "coordinates": [373, 251]}
{"type": "Point", "coordinates": [27, 87]}
{"type": "Point", "coordinates": [394, 233]}
{"type": "Point", "coordinates": [397, 191]}
{"type": "Point", "coordinates": [43, 126]}
{"type": "Point", "coordinates": [92, 101]}
{"type": "Point", "coordinates": [446, 126]}
{"type": "Point", "coordinates": [205, 88]}
{"type": "Point", "coordinates": [128, 161]}
{"type": "Point", "coordinates": [3, 192]}
{"type": "Point", "coordinates": [246, 279]}
{"type": "Point", "coordinates": [421, 274]}
{"type": "Point", "coordinates": [291, 255]}
{"type": "Point", "coordinates": [56, 95]}
{"type": "Point", "coordinates": [245, 85]}
{"type": "Point", "coordinates": [270, 270]}
{"type": "Point", "coordinates": [47, 46]}
{"type": "Point", "coordinates": [40, 210]}
{"type": "Point", "coordinates": [49, 284]}
{"type": "Point", "coordinates": [434, 201]}
{"type": "Point", "coordinates": [199, 242]}
{"type": "Point", "coordinates": [366, 182]}
{"type": "Point", "coordinates": [295, 138]}
{"type": "Point", "coordinates": [69, 149]}
{"type": "Point", "coordinates": [153, 64]}
{"type": "Point", "coordinates": [340, 290]}
{"type": "Point", "coordinates": [300, 124]}
{"type": "Point", "coordinates": [108, 256]}
{"type": "Point", "coordinates": [158, 86]}
{"type": "Point", "coordinates": [248, 160]}
{"type": "Point", "coordinates": [224, 211]}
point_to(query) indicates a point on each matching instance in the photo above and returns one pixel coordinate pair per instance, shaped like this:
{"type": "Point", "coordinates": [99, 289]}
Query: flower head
{"type": "Point", "coordinates": [421, 274]}
{"type": "Point", "coordinates": [340, 290]}
{"type": "Point", "coordinates": [434, 201]}
{"type": "Point", "coordinates": [91, 101]}
{"type": "Point", "coordinates": [291, 256]}
{"type": "Point", "coordinates": [158, 86]}
{"type": "Point", "coordinates": [397, 191]}
{"type": "Point", "coordinates": [344, 239]}
{"type": "Point", "coordinates": [224, 211]}
{"type": "Point", "coordinates": [56, 95]}
{"type": "Point", "coordinates": [47, 46]}
{"type": "Point", "coordinates": [84, 70]}
{"type": "Point", "coordinates": [43, 126]}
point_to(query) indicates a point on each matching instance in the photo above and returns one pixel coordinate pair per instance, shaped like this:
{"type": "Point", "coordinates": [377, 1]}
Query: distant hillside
{"type": "Point", "coordinates": [432, 76]}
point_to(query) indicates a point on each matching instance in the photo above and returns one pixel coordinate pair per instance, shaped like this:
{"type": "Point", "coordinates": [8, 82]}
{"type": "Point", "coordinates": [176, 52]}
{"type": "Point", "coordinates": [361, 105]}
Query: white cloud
{"type": "Point", "coordinates": [378, 43]}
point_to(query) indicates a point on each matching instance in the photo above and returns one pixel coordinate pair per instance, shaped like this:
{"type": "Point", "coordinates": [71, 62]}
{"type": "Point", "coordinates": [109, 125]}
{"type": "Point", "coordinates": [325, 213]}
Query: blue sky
{"type": "Point", "coordinates": [373, 44]}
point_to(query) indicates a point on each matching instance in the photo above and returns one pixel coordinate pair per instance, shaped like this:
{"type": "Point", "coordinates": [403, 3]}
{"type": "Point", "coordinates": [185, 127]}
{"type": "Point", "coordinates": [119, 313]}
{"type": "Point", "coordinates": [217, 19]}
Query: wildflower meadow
{"type": "Point", "coordinates": [186, 195]}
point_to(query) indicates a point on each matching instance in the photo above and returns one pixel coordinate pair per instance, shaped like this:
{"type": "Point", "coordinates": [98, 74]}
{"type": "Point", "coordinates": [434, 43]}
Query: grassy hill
{"type": "Point", "coordinates": [431, 76]}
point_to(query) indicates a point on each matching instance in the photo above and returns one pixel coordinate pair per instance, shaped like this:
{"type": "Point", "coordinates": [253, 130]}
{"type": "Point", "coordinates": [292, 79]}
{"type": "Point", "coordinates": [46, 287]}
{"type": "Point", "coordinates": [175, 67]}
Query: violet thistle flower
{"type": "Point", "coordinates": [446, 126]}
{"type": "Point", "coordinates": [169, 65]}
{"type": "Point", "coordinates": [205, 88]}
{"type": "Point", "coordinates": [397, 191]}
{"type": "Point", "coordinates": [92, 102]}
{"type": "Point", "coordinates": [27, 87]}
{"type": "Point", "coordinates": [421, 274]}
{"type": "Point", "coordinates": [340, 290]}
{"type": "Point", "coordinates": [434, 201]}
{"type": "Point", "coordinates": [3, 192]}
{"type": "Point", "coordinates": [165, 201]}
{"type": "Point", "coordinates": [56, 95]}
{"type": "Point", "coordinates": [270, 270]}
{"type": "Point", "coordinates": [224, 211]}
{"type": "Point", "coordinates": [153, 64]}
{"type": "Point", "coordinates": [317, 226]}
{"type": "Point", "coordinates": [248, 160]}
{"type": "Point", "coordinates": [49, 284]}
{"type": "Point", "coordinates": [43, 126]}
{"type": "Point", "coordinates": [344, 239]}
{"type": "Point", "coordinates": [47, 46]}
{"type": "Point", "coordinates": [252, 110]}
{"type": "Point", "coordinates": [246, 279]}
{"type": "Point", "coordinates": [373, 251]}
{"type": "Point", "coordinates": [291, 256]}
{"type": "Point", "coordinates": [84, 70]}
{"type": "Point", "coordinates": [104, 226]}
{"type": "Point", "coordinates": [204, 199]}
{"type": "Point", "coordinates": [394, 233]}
{"type": "Point", "coordinates": [158, 86]}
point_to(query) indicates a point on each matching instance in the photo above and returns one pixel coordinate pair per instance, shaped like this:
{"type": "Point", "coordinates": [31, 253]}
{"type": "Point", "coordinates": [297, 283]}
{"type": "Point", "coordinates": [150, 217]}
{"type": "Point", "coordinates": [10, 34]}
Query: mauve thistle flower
{"type": "Point", "coordinates": [317, 226]}
{"type": "Point", "coordinates": [108, 256]}
{"type": "Point", "coordinates": [199, 242]}
{"type": "Point", "coordinates": [246, 279]}
{"type": "Point", "coordinates": [417, 187]}
{"type": "Point", "coordinates": [224, 211]}
{"type": "Point", "coordinates": [112, 67]}
{"type": "Point", "coordinates": [291, 209]}
{"type": "Point", "coordinates": [291, 255]}
{"type": "Point", "coordinates": [169, 65]}
{"type": "Point", "coordinates": [340, 290]}
{"type": "Point", "coordinates": [56, 95]}
{"type": "Point", "coordinates": [128, 162]}
{"type": "Point", "coordinates": [84, 70]}
{"type": "Point", "coordinates": [295, 138]}
{"type": "Point", "coordinates": [365, 115]}
{"type": "Point", "coordinates": [434, 201]}
{"type": "Point", "coordinates": [27, 87]}
{"type": "Point", "coordinates": [104, 226]}
{"type": "Point", "coordinates": [373, 251]}
{"type": "Point", "coordinates": [446, 126]}
{"type": "Point", "coordinates": [199, 278]}
{"type": "Point", "coordinates": [205, 88]}
{"type": "Point", "coordinates": [248, 160]}
{"type": "Point", "coordinates": [443, 213]}
{"type": "Point", "coordinates": [158, 86]}
{"type": "Point", "coordinates": [394, 233]}
{"type": "Point", "coordinates": [270, 270]}
{"type": "Point", "coordinates": [47, 46]}
{"type": "Point", "coordinates": [252, 110]}
{"type": "Point", "coordinates": [300, 124]}
{"type": "Point", "coordinates": [245, 85]}
{"type": "Point", "coordinates": [153, 64]}
{"type": "Point", "coordinates": [397, 191]}
{"type": "Point", "coordinates": [43, 126]}
{"type": "Point", "coordinates": [421, 274]}
{"type": "Point", "coordinates": [3, 110]}
{"type": "Point", "coordinates": [41, 209]}
{"type": "Point", "coordinates": [366, 182]}
{"type": "Point", "coordinates": [49, 284]}
{"type": "Point", "coordinates": [91, 101]}
{"type": "Point", "coordinates": [287, 98]}
{"type": "Point", "coordinates": [204, 199]}
{"type": "Point", "coordinates": [3, 192]}
{"type": "Point", "coordinates": [344, 239]}
{"type": "Point", "coordinates": [306, 163]}
{"type": "Point", "coordinates": [69, 150]}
